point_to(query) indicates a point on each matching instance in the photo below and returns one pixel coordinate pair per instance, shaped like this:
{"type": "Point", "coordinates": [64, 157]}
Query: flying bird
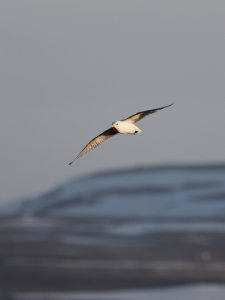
{"type": "Point", "coordinates": [125, 126]}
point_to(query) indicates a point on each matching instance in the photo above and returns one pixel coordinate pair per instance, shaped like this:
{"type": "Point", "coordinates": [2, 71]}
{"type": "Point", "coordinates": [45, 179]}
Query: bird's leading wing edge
{"type": "Point", "coordinates": [95, 142]}
{"type": "Point", "coordinates": [138, 116]}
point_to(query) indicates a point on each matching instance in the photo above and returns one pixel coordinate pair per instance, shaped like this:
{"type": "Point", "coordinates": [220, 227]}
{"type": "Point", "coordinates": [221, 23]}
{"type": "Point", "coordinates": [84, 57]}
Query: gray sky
{"type": "Point", "coordinates": [70, 68]}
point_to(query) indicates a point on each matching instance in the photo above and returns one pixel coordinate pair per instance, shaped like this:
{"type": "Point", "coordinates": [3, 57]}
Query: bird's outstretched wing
{"type": "Point", "coordinates": [138, 116]}
{"type": "Point", "coordinates": [95, 142]}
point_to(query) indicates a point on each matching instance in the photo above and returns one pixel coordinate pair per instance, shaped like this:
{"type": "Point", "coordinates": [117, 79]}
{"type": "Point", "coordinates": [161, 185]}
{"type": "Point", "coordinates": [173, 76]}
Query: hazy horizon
{"type": "Point", "coordinates": [70, 68]}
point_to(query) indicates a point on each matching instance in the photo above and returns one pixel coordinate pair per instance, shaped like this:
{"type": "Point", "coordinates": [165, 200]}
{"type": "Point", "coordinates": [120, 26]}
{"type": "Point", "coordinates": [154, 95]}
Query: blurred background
{"type": "Point", "coordinates": [68, 70]}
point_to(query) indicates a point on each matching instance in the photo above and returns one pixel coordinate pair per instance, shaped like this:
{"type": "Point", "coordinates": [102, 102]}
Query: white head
{"type": "Point", "coordinates": [115, 124]}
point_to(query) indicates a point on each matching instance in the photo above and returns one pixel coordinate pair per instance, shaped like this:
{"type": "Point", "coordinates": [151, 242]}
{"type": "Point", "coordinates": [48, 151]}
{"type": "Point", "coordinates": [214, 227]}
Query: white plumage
{"type": "Point", "coordinates": [125, 126]}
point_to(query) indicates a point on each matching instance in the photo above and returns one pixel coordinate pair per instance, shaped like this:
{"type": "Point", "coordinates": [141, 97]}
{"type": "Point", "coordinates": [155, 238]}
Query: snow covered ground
{"type": "Point", "coordinates": [148, 192]}
{"type": "Point", "coordinates": [136, 228]}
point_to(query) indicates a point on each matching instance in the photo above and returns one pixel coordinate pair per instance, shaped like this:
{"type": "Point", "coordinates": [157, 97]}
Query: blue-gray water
{"type": "Point", "coordinates": [195, 292]}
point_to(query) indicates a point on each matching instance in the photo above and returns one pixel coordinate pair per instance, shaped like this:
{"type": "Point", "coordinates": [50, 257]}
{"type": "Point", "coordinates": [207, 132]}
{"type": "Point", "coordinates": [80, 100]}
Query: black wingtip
{"type": "Point", "coordinates": [168, 105]}
{"type": "Point", "coordinates": [70, 163]}
{"type": "Point", "coordinates": [157, 109]}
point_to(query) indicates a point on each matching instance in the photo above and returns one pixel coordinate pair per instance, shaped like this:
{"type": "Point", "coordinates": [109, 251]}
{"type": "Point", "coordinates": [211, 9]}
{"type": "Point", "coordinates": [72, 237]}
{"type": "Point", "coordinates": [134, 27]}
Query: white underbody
{"type": "Point", "coordinates": [126, 127]}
